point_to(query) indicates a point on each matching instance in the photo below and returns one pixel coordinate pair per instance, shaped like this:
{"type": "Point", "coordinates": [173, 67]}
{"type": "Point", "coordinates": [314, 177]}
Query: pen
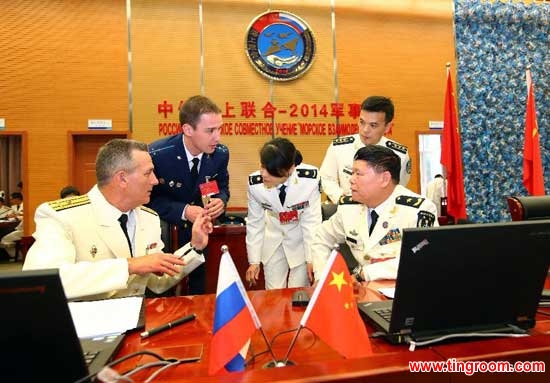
{"type": "Point", "coordinates": [168, 325]}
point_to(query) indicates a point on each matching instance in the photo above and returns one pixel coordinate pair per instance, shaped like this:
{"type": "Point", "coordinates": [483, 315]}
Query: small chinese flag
{"type": "Point", "coordinates": [332, 312]}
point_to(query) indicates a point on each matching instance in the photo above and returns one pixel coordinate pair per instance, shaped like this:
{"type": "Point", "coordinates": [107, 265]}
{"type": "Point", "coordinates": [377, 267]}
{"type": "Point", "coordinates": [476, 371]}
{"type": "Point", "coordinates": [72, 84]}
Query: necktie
{"type": "Point", "coordinates": [195, 170]}
{"type": "Point", "coordinates": [373, 219]}
{"type": "Point", "coordinates": [123, 219]}
{"type": "Point", "coordinates": [282, 194]}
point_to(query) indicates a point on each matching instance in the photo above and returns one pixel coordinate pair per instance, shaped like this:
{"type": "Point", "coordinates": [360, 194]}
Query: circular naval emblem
{"type": "Point", "coordinates": [280, 45]}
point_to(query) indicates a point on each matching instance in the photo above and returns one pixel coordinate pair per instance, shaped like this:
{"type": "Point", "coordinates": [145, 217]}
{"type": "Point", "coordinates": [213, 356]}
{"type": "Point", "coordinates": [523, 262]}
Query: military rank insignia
{"type": "Point", "coordinates": [397, 147]}
{"type": "Point", "coordinates": [343, 140]}
{"type": "Point", "coordinates": [254, 180]}
{"type": "Point", "coordinates": [280, 45]}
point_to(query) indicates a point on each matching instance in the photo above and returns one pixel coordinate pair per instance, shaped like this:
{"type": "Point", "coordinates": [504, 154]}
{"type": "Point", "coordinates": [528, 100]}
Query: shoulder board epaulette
{"type": "Point", "coordinates": [425, 219]}
{"type": "Point", "coordinates": [68, 203]}
{"type": "Point", "coordinates": [149, 210]}
{"type": "Point", "coordinates": [408, 200]}
{"type": "Point", "coordinates": [343, 140]}
{"type": "Point", "coordinates": [307, 173]}
{"type": "Point", "coordinates": [155, 151]}
{"type": "Point", "coordinates": [398, 147]}
{"type": "Point", "coordinates": [346, 200]}
{"type": "Point", "coordinates": [221, 148]}
{"type": "Point", "coordinates": [254, 180]}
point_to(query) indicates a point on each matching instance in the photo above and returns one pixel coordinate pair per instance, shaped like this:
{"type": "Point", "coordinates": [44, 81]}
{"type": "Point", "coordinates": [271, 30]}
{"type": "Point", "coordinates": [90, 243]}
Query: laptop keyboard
{"type": "Point", "coordinates": [385, 313]}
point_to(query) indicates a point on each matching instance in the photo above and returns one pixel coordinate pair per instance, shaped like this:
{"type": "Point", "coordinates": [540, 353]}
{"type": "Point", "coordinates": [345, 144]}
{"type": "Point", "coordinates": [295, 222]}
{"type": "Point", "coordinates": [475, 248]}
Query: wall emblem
{"type": "Point", "coordinates": [280, 45]}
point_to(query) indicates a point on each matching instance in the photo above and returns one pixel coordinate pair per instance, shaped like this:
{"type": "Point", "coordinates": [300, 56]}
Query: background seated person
{"type": "Point", "coordinates": [4, 210]}
{"type": "Point", "coordinates": [284, 210]}
{"type": "Point", "coordinates": [83, 237]}
{"type": "Point", "coordinates": [374, 238]}
{"type": "Point", "coordinates": [8, 241]}
{"type": "Point", "coordinates": [69, 191]}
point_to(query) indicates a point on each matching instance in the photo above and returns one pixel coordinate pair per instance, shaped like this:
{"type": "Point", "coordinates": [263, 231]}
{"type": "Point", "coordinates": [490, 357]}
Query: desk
{"type": "Point", "coordinates": [234, 236]}
{"type": "Point", "coordinates": [7, 227]}
{"type": "Point", "coordinates": [315, 360]}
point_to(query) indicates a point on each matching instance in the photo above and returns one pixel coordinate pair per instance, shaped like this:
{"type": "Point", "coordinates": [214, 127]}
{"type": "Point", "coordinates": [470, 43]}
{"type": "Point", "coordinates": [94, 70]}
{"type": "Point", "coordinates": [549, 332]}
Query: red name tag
{"type": "Point", "coordinates": [209, 188]}
{"type": "Point", "coordinates": [288, 216]}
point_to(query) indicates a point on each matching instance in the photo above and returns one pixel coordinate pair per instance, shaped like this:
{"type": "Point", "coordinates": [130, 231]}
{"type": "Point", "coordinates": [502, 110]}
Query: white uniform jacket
{"type": "Point", "coordinates": [337, 165]}
{"type": "Point", "coordinates": [264, 230]}
{"type": "Point", "coordinates": [379, 252]}
{"type": "Point", "coordinates": [82, 237]}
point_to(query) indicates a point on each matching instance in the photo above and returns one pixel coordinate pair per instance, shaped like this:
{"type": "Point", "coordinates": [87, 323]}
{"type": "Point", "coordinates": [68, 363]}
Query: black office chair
{"type": "Point", "coordinates": [328, 209]}
{"type": "Point", "coordinates": [524, 208]}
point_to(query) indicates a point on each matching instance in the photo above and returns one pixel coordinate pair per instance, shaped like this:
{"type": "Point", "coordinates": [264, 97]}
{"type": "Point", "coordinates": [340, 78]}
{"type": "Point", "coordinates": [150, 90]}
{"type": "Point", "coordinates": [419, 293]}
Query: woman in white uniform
{"type": "Point", "coordinates": [284, 210]}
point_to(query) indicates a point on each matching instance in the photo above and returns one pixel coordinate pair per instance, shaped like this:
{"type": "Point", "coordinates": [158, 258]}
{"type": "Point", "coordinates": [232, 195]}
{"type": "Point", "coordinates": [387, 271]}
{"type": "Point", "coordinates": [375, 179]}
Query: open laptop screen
{"type": "Point", "coordinates": [38, 339]}
{"type": "Point", "coordinates": [454, 277]}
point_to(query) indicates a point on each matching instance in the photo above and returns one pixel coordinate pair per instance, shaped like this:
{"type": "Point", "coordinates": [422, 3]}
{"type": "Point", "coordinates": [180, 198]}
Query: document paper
{"type": "Point", "coordinates": [105, 317]}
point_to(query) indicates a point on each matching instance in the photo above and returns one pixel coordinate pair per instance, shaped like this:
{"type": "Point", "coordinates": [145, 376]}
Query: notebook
{"type": "Point", "coordinates": [38, 338]}
{"type": "Point", "coordinates": [465, 278]}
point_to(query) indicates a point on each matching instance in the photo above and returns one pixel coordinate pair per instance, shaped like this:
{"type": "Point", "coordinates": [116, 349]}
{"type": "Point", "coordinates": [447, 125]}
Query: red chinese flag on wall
{"type": "Point", "coordinates": [332, 312]}
{"type": "Point", "coordinates": [451, 156]}
{"type": "Point", "coordinates": [533, 178]}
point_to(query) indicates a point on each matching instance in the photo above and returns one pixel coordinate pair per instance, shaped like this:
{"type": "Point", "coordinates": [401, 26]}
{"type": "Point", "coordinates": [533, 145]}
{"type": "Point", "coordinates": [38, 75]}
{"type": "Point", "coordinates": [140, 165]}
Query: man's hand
{"type": "Point", "coordinates": [310, 272]}
{"type": "Point", "coordinates": [158, 263]}
{"type": "Point", "coordinates": [214, 208]}
{"type": "Point", "coordinates": [252, 274]}
{"type": "Point", "coordinates": [202, 227]}
{"type": "Point", "coordinates": [192, 212]}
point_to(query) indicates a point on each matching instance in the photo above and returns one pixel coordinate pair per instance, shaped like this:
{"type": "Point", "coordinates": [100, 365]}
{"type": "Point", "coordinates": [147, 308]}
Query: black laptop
{"type": "Point", "coordinates": [464, 279]}
{"type": "Point", "coordinates": [38, 338]}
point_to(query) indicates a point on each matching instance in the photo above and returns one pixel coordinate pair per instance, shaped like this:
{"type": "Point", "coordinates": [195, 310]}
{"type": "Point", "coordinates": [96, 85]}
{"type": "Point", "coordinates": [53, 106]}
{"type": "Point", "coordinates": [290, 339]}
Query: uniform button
{"type": "Point", "coordinates": [367, 257]}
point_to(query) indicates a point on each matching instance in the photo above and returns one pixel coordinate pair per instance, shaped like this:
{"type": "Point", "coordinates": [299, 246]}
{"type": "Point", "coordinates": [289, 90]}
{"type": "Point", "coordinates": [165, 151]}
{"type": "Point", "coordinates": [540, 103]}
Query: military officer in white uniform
{"type": "Point", "coordinates": [374, 187]}
{"type": "Point", "coordinates": [375, 120]}
{"type": "Point", "coordinates": [281, 225]}
{"type": "Point", "coordinates": [82, 235]}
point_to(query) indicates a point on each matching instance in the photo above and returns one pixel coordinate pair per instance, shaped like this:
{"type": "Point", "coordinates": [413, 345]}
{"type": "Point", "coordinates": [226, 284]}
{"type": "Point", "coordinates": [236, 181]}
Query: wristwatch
{"type": "Point", "coordinates": [356, 271]}
{"type": "Point", "coordinates": [197, 250]}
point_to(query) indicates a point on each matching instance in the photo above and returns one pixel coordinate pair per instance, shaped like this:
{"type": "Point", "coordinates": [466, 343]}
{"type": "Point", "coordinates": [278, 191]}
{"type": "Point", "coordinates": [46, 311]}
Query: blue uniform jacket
{"type": "Point", "coordinates": [175, 189]}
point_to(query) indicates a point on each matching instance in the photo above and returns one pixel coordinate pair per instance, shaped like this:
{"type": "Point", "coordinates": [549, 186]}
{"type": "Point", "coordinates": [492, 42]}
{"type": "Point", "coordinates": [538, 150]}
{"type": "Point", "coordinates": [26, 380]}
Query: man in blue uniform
{"type": "Point", "coordinates": [185, 163]}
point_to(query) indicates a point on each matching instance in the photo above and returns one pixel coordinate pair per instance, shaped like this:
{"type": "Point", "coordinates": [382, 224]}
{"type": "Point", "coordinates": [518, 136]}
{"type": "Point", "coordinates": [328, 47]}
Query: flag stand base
{"type": "Point", "coordinates": [279, 363]}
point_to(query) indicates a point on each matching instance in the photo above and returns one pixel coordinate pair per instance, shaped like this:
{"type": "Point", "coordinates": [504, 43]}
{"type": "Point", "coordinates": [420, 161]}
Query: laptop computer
{"type": "Point", "coordinates": [461, 279]}
{"type": "Point", "coordinates": [38, 337]}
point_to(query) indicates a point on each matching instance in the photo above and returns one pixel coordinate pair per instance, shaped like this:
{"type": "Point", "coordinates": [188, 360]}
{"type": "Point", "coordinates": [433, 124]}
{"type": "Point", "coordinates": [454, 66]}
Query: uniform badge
{"type": "Point", "coordinates": [286, 217]}
{"type": "Point", "coordinates": [425, 219]}
{"type": "Point", "coordinates": [393, 235]}
{"type": "Point", "coordinates": [266, 206]}
{"type": "Point", "coordinates": [93, 251]}
{"type": "Point", "coordinates": [161, 181]}
{"type": "Point", "coordinates": [299, 206]}
{"type": "Point", "coordinates": [347, 170]}
{"type": "Point", "coordinates": [280, 45]}
{"type": "Point", "coordinates": [178, 184]}
{"type": "Point", "coordinates": [354, 233]}
{"type": "Point", "coordinates": [385, 224]}
{"type": "Point", "coordinates": [171, 184]}
{"type": "Point", "coordinates": [178, 157]}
